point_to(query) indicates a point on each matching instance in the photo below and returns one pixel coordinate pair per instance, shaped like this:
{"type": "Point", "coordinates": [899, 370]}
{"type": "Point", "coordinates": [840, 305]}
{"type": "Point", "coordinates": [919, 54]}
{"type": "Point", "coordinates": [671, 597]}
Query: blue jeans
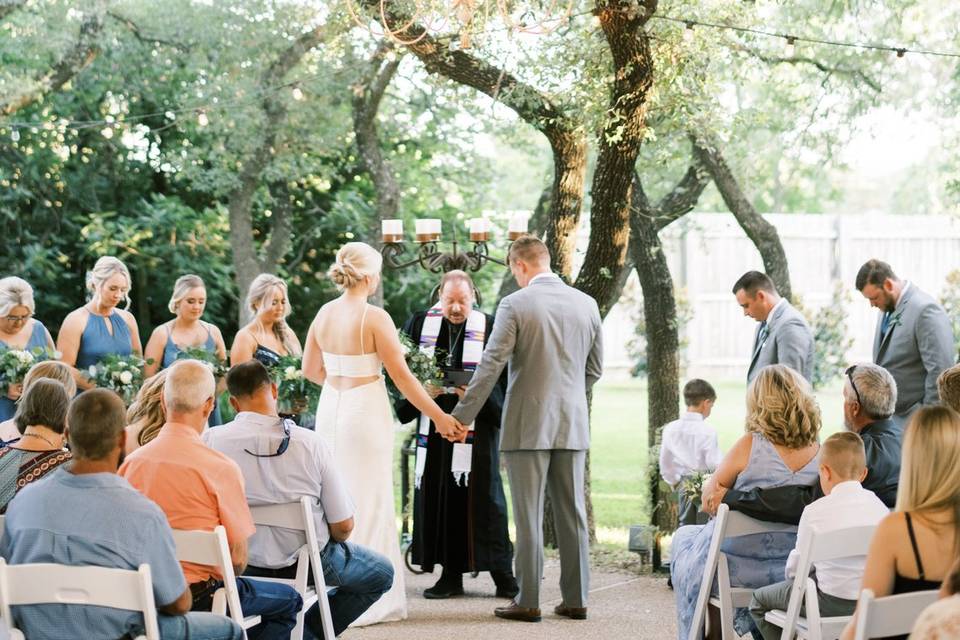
{"type": "Point", "coordinates": [360, 576]}
{"type": "Point", "coordinates": [198, 626]}
{"type": "Point", "coordinates": [276, 604]}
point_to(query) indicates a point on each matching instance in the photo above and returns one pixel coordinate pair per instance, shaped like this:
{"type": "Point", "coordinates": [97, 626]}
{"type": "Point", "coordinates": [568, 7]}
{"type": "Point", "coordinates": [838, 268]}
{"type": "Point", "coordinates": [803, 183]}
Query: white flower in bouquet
{"type": "Point", "coordinates": [430, 352]}
{"type": "Point", "coordinates": [126, 377]}
{"type": "Point", "coordinates": [25, 357]}
{"type": "Point", "coordinates": [92, 370]}
{"type": "Point", "coordinates": [290, 373]}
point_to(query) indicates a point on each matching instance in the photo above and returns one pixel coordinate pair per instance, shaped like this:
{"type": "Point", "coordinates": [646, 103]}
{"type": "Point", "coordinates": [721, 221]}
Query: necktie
{"type": "Point", "coordinates": [761, 336]}
{"type": "Point", "coordinates": [884, 323]}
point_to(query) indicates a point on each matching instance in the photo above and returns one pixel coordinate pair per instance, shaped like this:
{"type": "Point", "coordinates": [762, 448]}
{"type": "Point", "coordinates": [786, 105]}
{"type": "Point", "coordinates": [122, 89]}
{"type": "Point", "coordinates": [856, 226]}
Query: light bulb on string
{"type": "Point", "coordinates": [791, 49]}
{"type": "Point", "coordinates": [901, 53]}
{"type": "Point", "coordinates": [202, 119]}
{"type": "Point", "coordinates": [297, 93]}
{"type": "Point", "coordinates": [688, 33]}
{"type": "Point", "coordinates": [15, 135]}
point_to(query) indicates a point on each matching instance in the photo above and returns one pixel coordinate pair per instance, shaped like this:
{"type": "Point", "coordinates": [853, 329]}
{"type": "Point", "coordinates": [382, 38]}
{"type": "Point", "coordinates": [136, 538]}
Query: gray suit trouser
{"type": "Point", "coordinates": [777, 596]}
{"type": "Point", "coordinates": [561, 472]}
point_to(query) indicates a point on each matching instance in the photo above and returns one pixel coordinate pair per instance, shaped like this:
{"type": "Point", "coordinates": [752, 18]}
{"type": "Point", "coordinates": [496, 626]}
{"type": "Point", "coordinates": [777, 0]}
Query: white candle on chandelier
{"type": "Point", "coordinates": [428, 230]}
{"type": "Point", "coordinates": [392, 230]}
{"type": "Point", "coordinates": [518, 226]}
{"type": "Point", "coordinates": [479, 229]}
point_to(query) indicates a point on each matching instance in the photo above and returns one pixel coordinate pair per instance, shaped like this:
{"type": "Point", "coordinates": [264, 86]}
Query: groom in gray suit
{"type": "Point", "coordinates": [550, 335]}
{"type": "Point", "coordinates": [913, 340]}
{"type": "Point", "coordinates": [783, 335]}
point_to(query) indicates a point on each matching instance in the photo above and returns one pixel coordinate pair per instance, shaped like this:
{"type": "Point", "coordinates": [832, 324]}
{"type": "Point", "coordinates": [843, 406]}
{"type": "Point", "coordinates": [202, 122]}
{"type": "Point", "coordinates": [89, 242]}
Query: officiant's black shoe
{"type": "Point", "coordinates": [447, 587]}
{"type": "Point", "coordinates": [516, 612]}
{"type": "Point", "coordinates": [507, 586]}
{"type": "Point", "coordinates": [574, 613]}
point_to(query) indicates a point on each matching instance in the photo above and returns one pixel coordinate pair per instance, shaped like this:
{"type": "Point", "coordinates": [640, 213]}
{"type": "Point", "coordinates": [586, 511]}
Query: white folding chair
{"type": "Point", "coordinates": [729, 524]}
{"type": "Point", "coordinates": [29, 584]}
{"type": "Point", "coordinates": [210, 548]}
{"type": "Point", "coordinates": [299, 517]}
{"type": "Point", "coordinates": [890, 616]}
{"type": "Point", "coordinates": [820, 546]}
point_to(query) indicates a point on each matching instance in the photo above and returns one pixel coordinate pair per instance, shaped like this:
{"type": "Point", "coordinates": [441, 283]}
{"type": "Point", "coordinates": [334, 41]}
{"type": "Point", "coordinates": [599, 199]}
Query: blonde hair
{"type": "Point", "coordinates": [15, 292]}
{"type": "Point", "coordinates": [55, 370]}
{"type": "Point", "coordinates": [948, 387]}
{"type": "Point", "coordinates": [258, 295]}
{"type": "Point", "coordinates": [181, 288]}
{"type": "Point", "coordinates": [930, 467]}
{"type": "Point", "coordinates": [844, 453]}
{"type": "Point", "coordinates": [188, 386]}
{"type": "Point", "coordinates": [781, 408]}
{"type": "Point", "coordinates": [355, 262]}
{"type": "Point", "coordinates": [147, 409]}
{"type": "Point", "coordinates": [104, 269]}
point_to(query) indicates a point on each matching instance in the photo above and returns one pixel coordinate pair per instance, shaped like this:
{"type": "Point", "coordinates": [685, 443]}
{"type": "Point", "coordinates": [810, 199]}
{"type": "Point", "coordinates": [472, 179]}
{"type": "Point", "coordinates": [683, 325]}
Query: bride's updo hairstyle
{"type": "Point", "coordinates": [355, 262]}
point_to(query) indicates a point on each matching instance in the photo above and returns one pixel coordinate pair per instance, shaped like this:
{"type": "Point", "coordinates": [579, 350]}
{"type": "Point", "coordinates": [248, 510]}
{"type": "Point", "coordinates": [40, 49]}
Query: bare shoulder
{"type": "Point", "coordinates": [243, 336]}
{"type": "Point", "coordinates": [76, 318]}
{"type": "Point", "coordinates": [892, 527]}
{"type": "Point", "coordinates": [127, 317]}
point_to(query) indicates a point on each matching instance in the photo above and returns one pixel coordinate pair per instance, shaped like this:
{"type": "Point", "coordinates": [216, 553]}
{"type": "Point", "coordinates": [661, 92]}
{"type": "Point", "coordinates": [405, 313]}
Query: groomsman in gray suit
{"type": "Point", "coordinates": [913, 340]}
{"type": "Point", "coordinates": [550, 335]}
{"type": "Point", "coordinates": [783, 335]}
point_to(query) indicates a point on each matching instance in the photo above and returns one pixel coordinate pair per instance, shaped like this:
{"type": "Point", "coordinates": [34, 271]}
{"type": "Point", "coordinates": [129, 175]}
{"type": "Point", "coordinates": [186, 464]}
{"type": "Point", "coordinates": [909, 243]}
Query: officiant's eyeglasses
{"type": "Point", "coordinates": [849, 373]}
{"type": "Point", "coordinates": [286, 423]}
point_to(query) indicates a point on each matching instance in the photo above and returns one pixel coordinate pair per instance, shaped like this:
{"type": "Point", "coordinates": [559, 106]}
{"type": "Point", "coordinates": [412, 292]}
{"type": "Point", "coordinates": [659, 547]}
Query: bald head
{"type": "Point", "coordinates": [189, 387]}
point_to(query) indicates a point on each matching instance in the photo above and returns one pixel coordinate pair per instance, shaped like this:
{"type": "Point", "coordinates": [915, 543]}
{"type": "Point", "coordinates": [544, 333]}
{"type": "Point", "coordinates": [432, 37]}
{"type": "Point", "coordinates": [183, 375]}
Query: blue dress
{"type": "Point", "coordinates": [38, 338]}
{"type": "Point", "coordinates": [754, 561]}
{"type": "Point", "coordinates": [96, 342]}
{"type": "Point", "coordinates": [170, 351]}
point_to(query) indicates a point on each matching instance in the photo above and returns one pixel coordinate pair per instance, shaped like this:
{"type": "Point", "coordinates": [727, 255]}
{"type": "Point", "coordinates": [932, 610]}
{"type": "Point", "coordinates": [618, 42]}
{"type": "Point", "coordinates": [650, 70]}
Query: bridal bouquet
{"type": "Point", "coordinates": [217, 366]}
{"type": "Point", "coordinates": [123, 374]}
{"type": "Point", "coordinates": [422, 361]}
{"type": "Point", "coordinates": [692, 486]}
{"type": "Point", "coordinates": [295, 392]}
{"type": "Point", "coordinates": [14, 364]}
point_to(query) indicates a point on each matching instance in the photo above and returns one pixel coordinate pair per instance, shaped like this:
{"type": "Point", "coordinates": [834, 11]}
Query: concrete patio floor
{"type": "Point", "coordinates": [622, 605]}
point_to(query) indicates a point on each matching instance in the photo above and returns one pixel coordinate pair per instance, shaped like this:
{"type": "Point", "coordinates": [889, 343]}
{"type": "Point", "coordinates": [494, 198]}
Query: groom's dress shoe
{"type": "Point", "coordinates": [574, 613]}
{"type": "Point", "coordinates": [516, 612]}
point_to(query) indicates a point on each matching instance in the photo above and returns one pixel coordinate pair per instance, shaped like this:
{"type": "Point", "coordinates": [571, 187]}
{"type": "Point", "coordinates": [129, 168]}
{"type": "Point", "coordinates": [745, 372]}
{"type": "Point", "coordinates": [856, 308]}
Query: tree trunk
{"type": "Point", "coordinates": [246, 261]}
{"type": "Point", "coordinates": [367, 96]}
{"type": "Point", "coordinates": [622, 23]}
{"type": "Point", "coordinates": [763, 234]}
{"type": "Point", "coordinates": [565, 135]}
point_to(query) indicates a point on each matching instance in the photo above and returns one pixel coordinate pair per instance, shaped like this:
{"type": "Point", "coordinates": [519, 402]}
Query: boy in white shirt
{"type": "Point", "coordinates": [845, 504]}
{"type": "Point", "coordinates": [689, 445]}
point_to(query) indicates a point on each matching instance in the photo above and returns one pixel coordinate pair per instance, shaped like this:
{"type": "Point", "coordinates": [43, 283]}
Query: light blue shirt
{"type": "Point", "coordinates": [91, 519]}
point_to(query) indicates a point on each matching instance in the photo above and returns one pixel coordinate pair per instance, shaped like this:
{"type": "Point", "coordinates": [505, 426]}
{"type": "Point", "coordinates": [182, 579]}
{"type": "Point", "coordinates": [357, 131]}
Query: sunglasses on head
{"type": "Point", "coordinates": [849, 374]}
{"type": "Point", "coordinates": [286, 423]}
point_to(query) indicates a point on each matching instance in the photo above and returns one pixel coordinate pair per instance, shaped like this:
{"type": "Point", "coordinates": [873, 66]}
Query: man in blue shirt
{"type": "Point", "coordinates": [85, 514]}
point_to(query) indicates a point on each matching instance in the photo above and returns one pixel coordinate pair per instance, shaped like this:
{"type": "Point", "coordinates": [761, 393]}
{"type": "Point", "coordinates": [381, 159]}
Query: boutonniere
{"type": "Point", "coordinates": [894, 321]}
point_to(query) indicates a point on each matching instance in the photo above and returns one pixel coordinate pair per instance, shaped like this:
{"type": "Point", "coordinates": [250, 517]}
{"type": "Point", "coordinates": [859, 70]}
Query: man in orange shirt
{"type": "Point", "coordinates": [199, 488]}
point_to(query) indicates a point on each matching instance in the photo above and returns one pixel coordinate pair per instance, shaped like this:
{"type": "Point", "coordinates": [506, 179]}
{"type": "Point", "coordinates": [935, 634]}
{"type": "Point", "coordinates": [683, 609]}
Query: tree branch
{"type": "Point", "coordinates": [72, 63]}
{"type": "Point", "coordinates": [142, 37]}
{"type": "Point", "coordinates": [856, 74]}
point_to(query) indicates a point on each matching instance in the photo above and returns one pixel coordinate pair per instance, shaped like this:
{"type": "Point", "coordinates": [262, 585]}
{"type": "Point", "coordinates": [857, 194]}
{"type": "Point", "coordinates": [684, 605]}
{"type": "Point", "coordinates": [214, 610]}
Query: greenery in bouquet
{"type": "Point", "coordinates": [295, 392]}
{"type": "Point", "coordinates": [14, 364]}
{"type": "Point", "coordinates": [692, 486]}
{"type": "Point", "coordinates": [217, 366]}
{"type": "Point", "coordinates": [422, 362]}
{"type": "Point", "coordinates": [123, 374]}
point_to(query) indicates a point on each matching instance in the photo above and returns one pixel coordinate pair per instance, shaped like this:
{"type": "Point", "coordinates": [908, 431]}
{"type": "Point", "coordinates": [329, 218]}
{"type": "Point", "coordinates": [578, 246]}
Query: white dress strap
{"type": "Point", "coordinates": [363, 320]}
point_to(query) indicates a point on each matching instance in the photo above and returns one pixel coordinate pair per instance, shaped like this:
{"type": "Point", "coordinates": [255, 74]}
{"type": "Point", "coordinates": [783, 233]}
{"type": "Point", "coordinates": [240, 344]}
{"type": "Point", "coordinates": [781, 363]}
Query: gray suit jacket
{"type": "Point", "coordinates": [917, 346]}
{"type": "Point", "coordinates": [789, 341]}
{"type": "Point", "coordinates": [550, 334]}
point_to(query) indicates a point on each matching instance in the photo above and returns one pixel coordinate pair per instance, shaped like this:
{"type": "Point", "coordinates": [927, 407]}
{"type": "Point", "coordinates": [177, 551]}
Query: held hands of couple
{"type": "Point", "coordinates": [451, 429]}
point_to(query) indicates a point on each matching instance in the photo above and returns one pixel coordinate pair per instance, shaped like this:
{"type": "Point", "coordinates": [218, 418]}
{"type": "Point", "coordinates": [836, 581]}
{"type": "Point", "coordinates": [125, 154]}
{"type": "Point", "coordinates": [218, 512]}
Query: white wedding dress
{"type": "Point", "coordinates": [358, 426]}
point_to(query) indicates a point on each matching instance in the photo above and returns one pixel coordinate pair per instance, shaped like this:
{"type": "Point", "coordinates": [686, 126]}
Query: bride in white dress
{"type": "Point", "coordinates": [347, 343]}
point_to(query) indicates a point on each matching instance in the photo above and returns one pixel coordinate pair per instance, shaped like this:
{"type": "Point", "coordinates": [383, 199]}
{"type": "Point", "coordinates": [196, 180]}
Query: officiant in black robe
{"type": "Point", "coordinates": [462, 528]}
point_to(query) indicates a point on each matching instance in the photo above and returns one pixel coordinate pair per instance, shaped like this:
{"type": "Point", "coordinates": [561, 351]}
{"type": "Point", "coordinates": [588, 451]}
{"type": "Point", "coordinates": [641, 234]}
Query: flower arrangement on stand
{"type": "Point", "coordinates": [295, 394]}
{"type": "Point", "coordinates": [14, 364]}
{"type": "Point", "coordinates": [123, 374]}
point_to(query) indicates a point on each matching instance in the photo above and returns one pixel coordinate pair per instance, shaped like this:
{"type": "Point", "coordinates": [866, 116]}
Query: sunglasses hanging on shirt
{"type": "Point", "coordinates": [286, 423]}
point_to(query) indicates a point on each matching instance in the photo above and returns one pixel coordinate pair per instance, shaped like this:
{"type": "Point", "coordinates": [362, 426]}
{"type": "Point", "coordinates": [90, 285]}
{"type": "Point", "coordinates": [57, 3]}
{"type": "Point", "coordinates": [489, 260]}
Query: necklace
{"type": "Point", "coordinates": [452, 343]}
{"type": "Point", "coordinates": [44, 438]}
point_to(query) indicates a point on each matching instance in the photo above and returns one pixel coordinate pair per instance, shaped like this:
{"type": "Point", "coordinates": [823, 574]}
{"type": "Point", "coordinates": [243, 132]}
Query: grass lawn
{"type": "Point", "coordinates": [618, 454]}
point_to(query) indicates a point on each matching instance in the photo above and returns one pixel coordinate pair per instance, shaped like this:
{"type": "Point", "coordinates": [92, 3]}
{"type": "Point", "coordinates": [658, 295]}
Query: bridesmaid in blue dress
{"type": "Point", "coordinates": [267, 337]}
{"type": "Point", "coordinates": [19, 330]}
{"type": "Point", "coordinates": [186, 331]}
{"type": "Point", "coordinates": [99, 328]}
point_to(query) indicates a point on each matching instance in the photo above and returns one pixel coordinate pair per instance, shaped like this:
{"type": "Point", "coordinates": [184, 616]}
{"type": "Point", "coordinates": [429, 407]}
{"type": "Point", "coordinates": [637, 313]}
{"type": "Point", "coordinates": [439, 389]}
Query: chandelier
{"type": "Point", "coordinates": [407, 22]}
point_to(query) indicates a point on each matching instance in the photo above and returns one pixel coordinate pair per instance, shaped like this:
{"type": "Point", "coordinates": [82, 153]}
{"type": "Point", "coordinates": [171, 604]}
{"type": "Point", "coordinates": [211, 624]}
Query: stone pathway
{"type": "Point", "coordinates": [621, 605]}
